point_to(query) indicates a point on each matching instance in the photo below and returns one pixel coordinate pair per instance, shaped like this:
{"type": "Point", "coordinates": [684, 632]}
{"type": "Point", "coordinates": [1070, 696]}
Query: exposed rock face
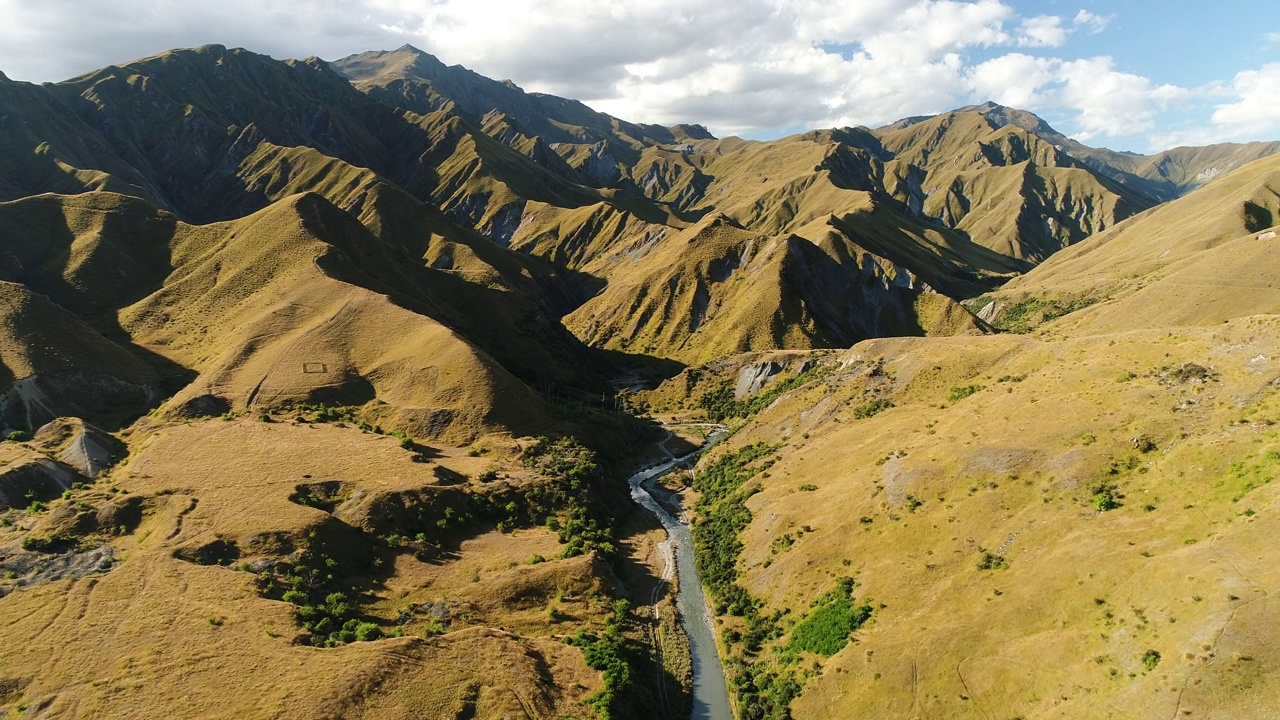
{"type": "Point", "coordinates": [752, 378]}
{"type": "Point", "coordinates": [81, 446]}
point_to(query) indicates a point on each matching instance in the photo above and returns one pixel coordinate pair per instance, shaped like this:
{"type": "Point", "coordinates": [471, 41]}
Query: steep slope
{"type": "Point", "coordinates": [556, 132]}
{"type": "Point", "coordinates": [1032, 198]}
{"type": "Point", "coordinates": [247, 304]}
{"type": "Point", "coordinates": [53, 364]}
{"type": "Point", "coordinates": [1201, 259]}
{"type": "Point", "coordinates": [273, 309]}
{"type": "Point", "coordinates": [173, 129]}
{"type": "Point", "coordinates": [718, 289]}
{"type": "Point", "coordinates": [434, 159]}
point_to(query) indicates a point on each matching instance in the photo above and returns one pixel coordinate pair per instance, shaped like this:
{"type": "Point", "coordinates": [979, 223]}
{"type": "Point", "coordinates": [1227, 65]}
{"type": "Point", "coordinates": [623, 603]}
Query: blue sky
{"type": "Point", "coordinates": [1194, 45]}
{"type": "Point", "coordinates": [1131, 75]}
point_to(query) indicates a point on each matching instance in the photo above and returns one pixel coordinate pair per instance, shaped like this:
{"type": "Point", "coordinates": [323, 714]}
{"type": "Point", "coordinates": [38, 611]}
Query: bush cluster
{"type": "Point", "coordinates": [720, 404]}
{"type": "Point", "coordinates": [612, 653]}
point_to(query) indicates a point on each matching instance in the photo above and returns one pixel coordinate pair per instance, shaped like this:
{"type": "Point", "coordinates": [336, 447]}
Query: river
{"type": "Point", "coordinates": [710, 693]}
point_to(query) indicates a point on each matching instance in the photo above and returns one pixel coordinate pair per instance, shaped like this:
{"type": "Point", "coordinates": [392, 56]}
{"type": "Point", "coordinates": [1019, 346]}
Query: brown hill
{"type": "Point", "coordinates": [718, 289]}
{"type": "Point", "coordinates": [1201, 259]}
{"type": "Point", "coordinates": [298, 302]}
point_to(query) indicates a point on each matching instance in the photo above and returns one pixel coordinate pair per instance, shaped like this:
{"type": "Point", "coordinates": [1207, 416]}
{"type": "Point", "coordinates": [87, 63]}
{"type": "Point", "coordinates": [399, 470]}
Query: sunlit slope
{"type": "Point", "coordinates": [718, 289]}
{"type": "Point", "coordinates": [1073, 523]}
{"type": "Point", "coordinates": [183, 617]}
{"type": "Point", "coordinates": [1002, 186]}
{"type": "Point", "coordinates": [1066, 527]}
{"type": "Point", "coordinates": [298, 302]}
{"type": "Point", "coordinates": [270, 309]}
{"type": "Point", "coordinates": [1204, 258]}
{"type": "Point", "coordinates": [173, 128]}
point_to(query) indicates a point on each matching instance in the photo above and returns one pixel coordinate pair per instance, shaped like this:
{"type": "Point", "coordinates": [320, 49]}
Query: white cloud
{"type": "Point", "coordinates": [756, 67]}
{"type": "Point", "coordinates": [1254, 110]}
{"type": "Point", "coordinates": [1094, 24]}
{"type": "Point", "coordinates": [1015, 79]}
{"type": "Point", "coordinates": [1110, 102]}
{"type": "Point", "coordinates": [1243, 110]}
{"type": "Point", "coordinates": [1042, 31]}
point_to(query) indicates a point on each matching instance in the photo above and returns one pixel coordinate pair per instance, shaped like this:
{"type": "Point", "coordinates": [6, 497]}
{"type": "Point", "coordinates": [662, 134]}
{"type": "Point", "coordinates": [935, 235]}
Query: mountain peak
{"type": "Point", "coordinates": [405, 61]}
{"type": "Point", "coordinates": [1002, 115]}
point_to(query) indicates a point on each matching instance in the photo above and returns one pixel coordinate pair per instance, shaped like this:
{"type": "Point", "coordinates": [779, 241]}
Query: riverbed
{"type": "Point", "coordinates": [710, 692]}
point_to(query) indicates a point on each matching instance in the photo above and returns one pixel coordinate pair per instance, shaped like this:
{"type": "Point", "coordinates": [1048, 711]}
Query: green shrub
{"type": "Point", "coordinates": [720, 404]}
{"type": "Point", "coordinates": [1150, 659]}
{"type": "Point", "coordinates": [1024, 315]}
{"type": "Point", "coordinates": [988, 560]}
{"type": "Point", "coordinates": [366, 631]}
{"type": "Point", "coordinates": [961, 392]}
{"type": "Point", "coordinates": [613, 654]}
{"type": "Point", "coordinates": [871, 407]}
{"type": "Point", "coordinates": [1105, 496]}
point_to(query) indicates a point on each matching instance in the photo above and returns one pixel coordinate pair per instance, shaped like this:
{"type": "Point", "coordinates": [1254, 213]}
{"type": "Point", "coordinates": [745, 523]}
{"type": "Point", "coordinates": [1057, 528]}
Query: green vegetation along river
{"type": "Point", "coordinates": [710, 692]}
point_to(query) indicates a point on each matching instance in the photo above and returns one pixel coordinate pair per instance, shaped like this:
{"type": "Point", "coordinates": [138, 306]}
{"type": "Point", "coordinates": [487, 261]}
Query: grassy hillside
{"type": "Point", "coordinates": [1065, 523]}
{"type": "Point", "coordinates": [1199, 260]}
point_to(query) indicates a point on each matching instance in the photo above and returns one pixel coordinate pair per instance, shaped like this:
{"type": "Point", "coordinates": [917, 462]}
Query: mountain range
{"type": "Point", "coordinates": [316, 352]}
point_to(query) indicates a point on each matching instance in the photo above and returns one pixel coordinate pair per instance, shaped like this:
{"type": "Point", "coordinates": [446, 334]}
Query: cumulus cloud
{"type": "Point", "coordinates": [1111, 102]}
{"type": "Point", "coordinates": [1092, 23]}
{"type": "Point", "coordinates": [754, 67]}
{"type": "Point", "coordinates": [1253, 111]}
{"type": "Point", "coordinates": [1042, 31]}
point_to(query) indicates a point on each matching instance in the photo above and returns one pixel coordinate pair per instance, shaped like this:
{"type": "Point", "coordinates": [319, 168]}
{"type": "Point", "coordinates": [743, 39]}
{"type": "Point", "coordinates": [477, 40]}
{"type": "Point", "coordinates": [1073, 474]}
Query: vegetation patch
{"type": "Point", "coordinates": [1185, 373]}
{"type": "Point", "coordinates": [1025, 315]}
{"type": "Point", "coordinates": [1244, 477]}
{"type": "Point", "coordinates": [764, 684]}
{"type": "Point", "coordinates": [1105, 496]}
{"type": "Point", "coordinates": [871, 408]}
{"type": "Point", "coordinates": [612, 653]}
{"type": "Point", "coordinates": [961, 392]}
{"type": "Point", "coordinates": [322, 590]}
{"type": "Point", "coordinates": [832, 619]}
{"type": "Point", "coordinates": [1150, 659]}
{"type": "Point", "coordinates": [988, 560]}
{"type": "Point", "coordinates": [721, 405]}
{"type": "Point", "coordinates": [574, 472]}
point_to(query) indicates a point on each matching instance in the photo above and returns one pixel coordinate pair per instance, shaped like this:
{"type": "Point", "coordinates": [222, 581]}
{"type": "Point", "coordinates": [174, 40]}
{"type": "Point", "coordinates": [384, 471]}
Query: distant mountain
{"type": "Point", "coordinates": [1165, 175]}
{"type": "Point", "coordinates": [1204, 258]}
{"type": "Point", "coordinates": [953, 204]}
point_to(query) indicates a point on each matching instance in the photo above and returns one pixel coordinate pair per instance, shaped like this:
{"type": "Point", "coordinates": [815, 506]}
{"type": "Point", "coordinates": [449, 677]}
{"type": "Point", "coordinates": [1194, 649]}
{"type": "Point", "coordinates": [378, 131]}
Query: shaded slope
{"type": "Point", "coordinates": [258, 308]}
{"type": "Point", "coordinates": [296, 302]}
{"type": "Point", "coordinates": [175, 127]}
{"type": "Point", "coordinates": [1005, 188]}
{"type": "Point", "coordinates": [52, 364]}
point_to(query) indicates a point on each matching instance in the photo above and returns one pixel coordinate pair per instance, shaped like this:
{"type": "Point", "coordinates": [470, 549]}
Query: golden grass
{"type": "Point", "coordinates": [157, 628]}
{"type": "Point", "coordinates": [1010, 469]}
